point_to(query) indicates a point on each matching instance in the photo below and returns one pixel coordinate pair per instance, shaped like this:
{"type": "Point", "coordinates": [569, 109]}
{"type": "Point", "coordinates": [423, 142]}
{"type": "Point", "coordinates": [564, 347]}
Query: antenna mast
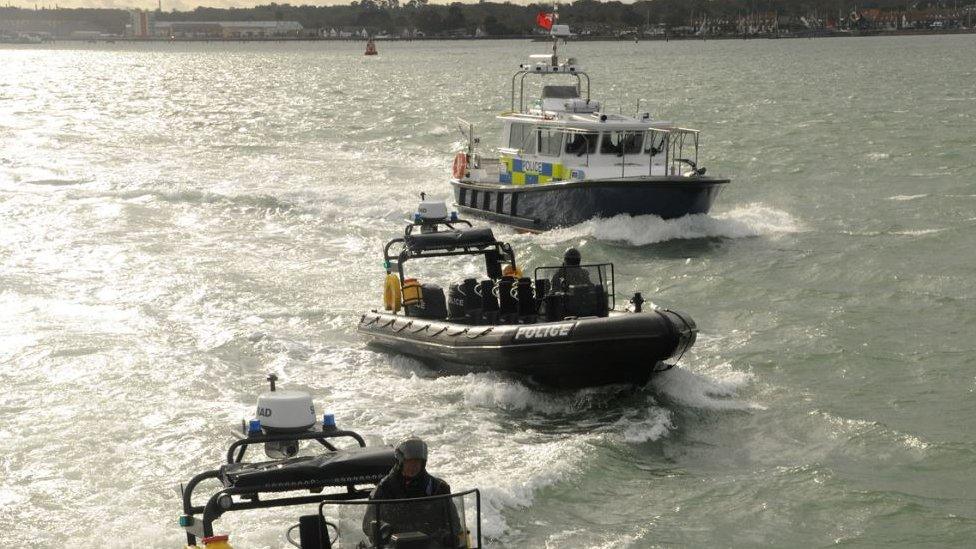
{"type": "Point", "coordinates": [555, 37]}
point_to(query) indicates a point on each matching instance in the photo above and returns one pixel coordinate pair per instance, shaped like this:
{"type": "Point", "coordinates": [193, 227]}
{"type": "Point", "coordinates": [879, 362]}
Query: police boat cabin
{"type": "Point", "coordinates": [559, 327]}
{"type": "Point", "coordinates": [564, 160]}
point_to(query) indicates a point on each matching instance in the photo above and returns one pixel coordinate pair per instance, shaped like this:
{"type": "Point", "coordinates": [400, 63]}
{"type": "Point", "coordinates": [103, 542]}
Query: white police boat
{"type": "Point", "coordinates": [563, 159]}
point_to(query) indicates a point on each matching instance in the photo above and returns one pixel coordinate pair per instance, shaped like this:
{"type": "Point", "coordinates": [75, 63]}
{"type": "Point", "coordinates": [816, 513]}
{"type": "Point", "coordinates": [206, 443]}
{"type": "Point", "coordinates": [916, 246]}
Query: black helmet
{"type": "Point", "coordinates": [411, 448]}
{"type": "Point", "coordinates": [572, 257]}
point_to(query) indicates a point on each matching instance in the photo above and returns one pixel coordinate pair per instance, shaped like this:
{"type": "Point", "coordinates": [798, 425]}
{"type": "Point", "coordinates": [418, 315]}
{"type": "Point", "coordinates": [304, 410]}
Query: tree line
{"type": "Point", "coordinates": [507, 19]}
{"type": "Point", "coordinates": [500, 19]}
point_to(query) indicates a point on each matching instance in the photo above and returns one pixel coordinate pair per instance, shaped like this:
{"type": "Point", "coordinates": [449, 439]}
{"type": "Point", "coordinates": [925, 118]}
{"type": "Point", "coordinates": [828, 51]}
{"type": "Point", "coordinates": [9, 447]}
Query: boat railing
{"type": "Point", "coordinates": [682, 152]}
{"type": "Point", "coordinates": [673, 151]}
{"type": "Point", "coordinates": [467, 133]}
{"type": "Point", "coordinates": [679, 146]}
{"type": "Point", "coordinates": [543, 70]}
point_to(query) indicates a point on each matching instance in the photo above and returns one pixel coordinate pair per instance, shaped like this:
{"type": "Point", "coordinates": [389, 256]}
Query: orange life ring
{"type": "Point", "coordinates": [460, 165]}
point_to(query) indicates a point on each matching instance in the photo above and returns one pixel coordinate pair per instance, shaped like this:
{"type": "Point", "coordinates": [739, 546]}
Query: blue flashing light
{"type": "Point", "coordinates": [454, 216]}
{"type": "Point", "coordinates": [328, 420]}
{"type": "Point", "coordinates": [417, 218]}
{"type": "Point", "coordinates": [186, 520]}
{"type": "Point", "coordinates": [254, 427]}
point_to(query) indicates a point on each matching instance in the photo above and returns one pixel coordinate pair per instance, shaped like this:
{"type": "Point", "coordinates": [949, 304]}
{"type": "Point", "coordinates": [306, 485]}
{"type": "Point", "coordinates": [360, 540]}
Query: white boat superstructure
{"type": "Point", "coordinates": [565, 136]}
{"type": "Point", "coordinates": [563, 159]}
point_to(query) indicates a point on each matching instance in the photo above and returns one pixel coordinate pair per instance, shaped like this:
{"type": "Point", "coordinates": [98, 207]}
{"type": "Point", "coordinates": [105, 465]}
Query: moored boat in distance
{"type": "Point", "coordinates": [558, 328]}
{"type": "Point", "coordinates": [563, 160]}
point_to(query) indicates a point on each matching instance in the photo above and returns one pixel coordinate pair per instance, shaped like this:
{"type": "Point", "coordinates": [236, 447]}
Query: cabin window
{"type": "Point", "coordinates": [654, 143]}
{"type": "Point", "coordinates": [621, 143]}
{"type": "Point", "coordinates": [550, 142]}
{"type": "Point", "coordinates": [521, 138]}
{"type": "Point", "coordinates": [581, 143]}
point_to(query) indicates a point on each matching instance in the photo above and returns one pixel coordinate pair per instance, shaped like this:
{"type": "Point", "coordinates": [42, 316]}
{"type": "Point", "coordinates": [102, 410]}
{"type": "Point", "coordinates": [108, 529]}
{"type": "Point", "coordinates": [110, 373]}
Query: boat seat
{"type": "Point", "coordinates": [449, 240]}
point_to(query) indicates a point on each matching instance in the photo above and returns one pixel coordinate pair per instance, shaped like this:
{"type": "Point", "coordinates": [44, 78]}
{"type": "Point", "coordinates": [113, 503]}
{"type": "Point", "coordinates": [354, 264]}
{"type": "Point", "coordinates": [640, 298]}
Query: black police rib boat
{"type": "Point", "coordinates": [558, 328]}
{"type": "Point", "coordinates": [338, 479]}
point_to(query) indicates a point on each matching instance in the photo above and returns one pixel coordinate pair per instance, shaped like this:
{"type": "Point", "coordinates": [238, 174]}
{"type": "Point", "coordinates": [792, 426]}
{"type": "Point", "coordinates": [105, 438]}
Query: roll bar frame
{"type": "Point", "coordinates": [520, 75]}
{"type": "Point", "coordinates": [249, 498]}
{"type": "Point", "coordinates": [502, 249]}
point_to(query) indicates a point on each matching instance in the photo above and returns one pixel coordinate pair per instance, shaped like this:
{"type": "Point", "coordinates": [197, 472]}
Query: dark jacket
{"type": "Point", "coordinates": [438, 519]}
{"type": "Point", "coordinates": [569, 275]}
{"type": "Point", "coordinates": [395, 486]}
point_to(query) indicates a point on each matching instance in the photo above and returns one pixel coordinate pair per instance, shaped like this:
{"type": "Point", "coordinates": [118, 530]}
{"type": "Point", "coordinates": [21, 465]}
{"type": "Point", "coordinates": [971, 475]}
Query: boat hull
{"type": "Point", "coordinates": [544, 207]}
{"type": "Point", "coordinates": [621, 348]}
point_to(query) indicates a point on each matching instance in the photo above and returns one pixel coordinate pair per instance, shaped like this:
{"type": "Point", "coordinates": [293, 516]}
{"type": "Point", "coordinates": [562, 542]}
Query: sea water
{"type": "Point", "coordinates": [178, 220]}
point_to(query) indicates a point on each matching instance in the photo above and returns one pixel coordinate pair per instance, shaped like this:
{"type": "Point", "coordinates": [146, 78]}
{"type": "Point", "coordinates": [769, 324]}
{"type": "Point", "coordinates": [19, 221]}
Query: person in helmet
{"type": "Point", "coordinates": [570, 273]}
{"type": "Point", "coordinates": [407, 480]}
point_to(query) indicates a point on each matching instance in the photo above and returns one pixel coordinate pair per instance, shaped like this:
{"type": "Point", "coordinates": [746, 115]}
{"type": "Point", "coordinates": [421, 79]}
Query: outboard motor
{"type": "Point", "coordinates": [507, 305]}
{"type": "Point", "coordinates": [489, 302]}
{"type": "Point", "coordinates": [526, 301]}
{"type": "Point", "coordinates": [472, 300]}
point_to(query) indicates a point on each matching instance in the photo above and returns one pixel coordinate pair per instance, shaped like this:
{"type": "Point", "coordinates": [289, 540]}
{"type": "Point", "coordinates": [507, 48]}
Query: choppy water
{"type": "Point", "coordinates": [178, 220]}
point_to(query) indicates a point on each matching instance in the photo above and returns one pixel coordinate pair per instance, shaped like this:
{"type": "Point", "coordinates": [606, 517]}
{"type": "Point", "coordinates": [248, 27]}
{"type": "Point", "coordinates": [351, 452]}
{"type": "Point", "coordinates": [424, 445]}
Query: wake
{"type": "Point", "coordinates": [743, 222]}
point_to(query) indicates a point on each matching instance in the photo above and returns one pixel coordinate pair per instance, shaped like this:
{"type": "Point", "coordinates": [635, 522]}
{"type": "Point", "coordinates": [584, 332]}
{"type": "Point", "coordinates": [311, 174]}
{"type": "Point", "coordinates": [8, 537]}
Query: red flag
{"type": "Point", "coordinates": [544, 20]}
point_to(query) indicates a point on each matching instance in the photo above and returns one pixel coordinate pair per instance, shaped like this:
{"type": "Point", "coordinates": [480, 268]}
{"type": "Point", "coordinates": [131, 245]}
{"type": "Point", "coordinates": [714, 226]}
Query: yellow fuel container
{"type": "Point", "coordinates": [217, 542]}
{"type": "Point", "coordinates": [411, 292]}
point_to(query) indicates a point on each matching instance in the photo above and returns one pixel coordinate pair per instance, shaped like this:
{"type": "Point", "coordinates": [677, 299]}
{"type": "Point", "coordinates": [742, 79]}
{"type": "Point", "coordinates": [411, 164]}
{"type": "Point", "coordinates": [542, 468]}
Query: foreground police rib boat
{"type": "Point", "coordinates": [337, 479]}
{"type": "Point", "coordinates": [558, 328]}
{"type": "Point", "coordinates": [564, 160]}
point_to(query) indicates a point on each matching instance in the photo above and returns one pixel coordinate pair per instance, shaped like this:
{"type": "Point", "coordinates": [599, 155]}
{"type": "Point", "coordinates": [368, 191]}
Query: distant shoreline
{"type": "Point", "coordinates": [536, 38]}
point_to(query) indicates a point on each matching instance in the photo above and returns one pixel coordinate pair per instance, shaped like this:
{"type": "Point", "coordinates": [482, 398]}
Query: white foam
{"type": "Point", "coordinates": [918, 232]}
{"type": "Point", "coordinates": [492, 391]}
{"type": "Point", "coordinates": [906, 197]}
{"type": "Point", "coordinates": [507, 395]}
{"type": "Point", "coordinates": [647, 429]}
{"type": "Point", "coordinates": [706, 392]}
{"type": "Point", "coordinates": [746, 221]}
{"type": "Point", "coordinates": [578, 537]}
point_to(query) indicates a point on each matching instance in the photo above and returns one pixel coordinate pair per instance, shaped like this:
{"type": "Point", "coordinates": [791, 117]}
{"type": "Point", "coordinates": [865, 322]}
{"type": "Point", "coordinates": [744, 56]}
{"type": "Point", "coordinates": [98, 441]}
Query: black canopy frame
{"type": "Point", "coordinates": [413, 248]}
{"type": "Point", "coordinates": [240, 499]}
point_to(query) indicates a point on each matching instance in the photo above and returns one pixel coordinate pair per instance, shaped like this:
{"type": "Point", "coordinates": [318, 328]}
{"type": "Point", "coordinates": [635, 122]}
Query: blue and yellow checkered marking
{"type": "Point", "coordinates": [522, 172]}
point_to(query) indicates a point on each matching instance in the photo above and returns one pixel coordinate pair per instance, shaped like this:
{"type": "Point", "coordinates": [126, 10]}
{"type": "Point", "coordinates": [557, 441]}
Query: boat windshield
{"type": "Point", "coordinates": [438, 522]}
{"type": "Point", "coordinates": [589, 287]}
{"type": "Point", "coordinates": [621, 143]}
{"type": "Point", "coordinates": [581, 143]}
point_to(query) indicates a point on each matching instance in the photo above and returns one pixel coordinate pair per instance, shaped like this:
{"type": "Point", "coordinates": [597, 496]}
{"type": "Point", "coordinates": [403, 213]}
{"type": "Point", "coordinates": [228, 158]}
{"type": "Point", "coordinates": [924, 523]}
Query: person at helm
{"type": "Point", "coordinates": [570, 273]}
{"type": "Point", "coordinates": [407, 480]}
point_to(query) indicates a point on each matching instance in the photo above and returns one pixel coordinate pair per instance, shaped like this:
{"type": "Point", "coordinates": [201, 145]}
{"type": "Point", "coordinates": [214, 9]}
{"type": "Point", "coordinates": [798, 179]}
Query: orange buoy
{"type": "Point", "coordinates": [371, 48]}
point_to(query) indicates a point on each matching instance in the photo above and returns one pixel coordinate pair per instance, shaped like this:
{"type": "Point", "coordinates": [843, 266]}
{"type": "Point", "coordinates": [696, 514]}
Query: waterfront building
{"type": "Point", "coordinates": [229, 29]}
{"type": "Point", "coordinates": [142, 24]}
